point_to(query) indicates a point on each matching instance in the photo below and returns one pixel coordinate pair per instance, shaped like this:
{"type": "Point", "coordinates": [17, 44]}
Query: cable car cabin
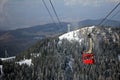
{"type": "Point", "coordinates": [87, 58]}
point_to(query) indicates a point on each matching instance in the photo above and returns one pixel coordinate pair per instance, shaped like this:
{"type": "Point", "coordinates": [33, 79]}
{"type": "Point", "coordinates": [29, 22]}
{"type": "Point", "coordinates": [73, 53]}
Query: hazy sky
{"type": "Point", "coordinates": [26, 13]}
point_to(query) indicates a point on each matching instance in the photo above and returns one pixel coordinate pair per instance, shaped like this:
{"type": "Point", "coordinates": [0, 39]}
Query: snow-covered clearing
{"type": "Point", "coordinates": [26, 61]}
{"type": "Point", "coordinates": [8, 58]}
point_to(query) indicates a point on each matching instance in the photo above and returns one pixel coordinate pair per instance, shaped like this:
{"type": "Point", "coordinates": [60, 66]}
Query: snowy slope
{"type": "Point", "coordinates": [26, 61]}
{"type": "Point", "coordinates": [1, 69]}
{"type": "Point", "coordinates": [8, 58]}
{"type": "Point", "coordinates": [76, 35]}
{"type": "Point", "coordinates": [97, 33]}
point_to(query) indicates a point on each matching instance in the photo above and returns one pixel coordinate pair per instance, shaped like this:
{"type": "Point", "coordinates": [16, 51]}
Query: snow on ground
{"type": "Point", "coordinates": [71, 63]}
{"type": "Point", "coordinates": [75, 35]}
{"type": "Point", "coordinates": [35, 54]}
{"type": "Point", "coordinates": [8, 58]}
{"type": "Point", "coordinates": [70, 36]}
{"type": "Point", "coordinates": [1, 69]}
{"type": "Point", "coordinates": [26, 61]}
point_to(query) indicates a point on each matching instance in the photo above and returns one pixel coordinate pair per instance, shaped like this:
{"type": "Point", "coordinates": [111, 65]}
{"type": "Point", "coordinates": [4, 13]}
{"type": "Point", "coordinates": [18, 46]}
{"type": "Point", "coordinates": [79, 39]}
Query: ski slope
{"type": "Point", "coordinates": [76, 35]}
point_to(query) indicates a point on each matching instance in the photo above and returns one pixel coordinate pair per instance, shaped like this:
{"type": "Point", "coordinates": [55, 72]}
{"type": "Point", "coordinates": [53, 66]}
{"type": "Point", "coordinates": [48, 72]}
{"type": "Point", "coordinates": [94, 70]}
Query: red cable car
{"type": "Point", "coordinates": [87, 56]}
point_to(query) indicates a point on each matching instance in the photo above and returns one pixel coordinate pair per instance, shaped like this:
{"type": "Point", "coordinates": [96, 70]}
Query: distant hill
{"type": "Point", "coordinates": [90, 22]}
{"type": "Point", "coordinates": [40, 30]}
{"type": "Point", "coordinates": [18, 40]}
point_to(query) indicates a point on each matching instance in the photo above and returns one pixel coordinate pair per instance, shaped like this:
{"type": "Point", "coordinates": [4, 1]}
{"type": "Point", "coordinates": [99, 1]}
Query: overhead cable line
{"type": "Point", "coordinates": [48, 11]}
{"type": "Point", "coordinates": [112, 16]}
{"type": "Point", "coordinates": [55, 12]}
{"type": "Point", "coordinates": [115, 14]}
{"type": "Point", "coordinates": [109, 14]}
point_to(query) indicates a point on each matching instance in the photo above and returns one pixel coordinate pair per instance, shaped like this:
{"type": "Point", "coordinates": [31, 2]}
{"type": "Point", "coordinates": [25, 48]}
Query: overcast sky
{"type": "Point", "coordinates": [26, 13]}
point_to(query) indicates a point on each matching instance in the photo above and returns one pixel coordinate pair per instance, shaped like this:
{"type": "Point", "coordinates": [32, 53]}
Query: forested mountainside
{"type": "Point", "coordinates": [16, 41]}
{"type": "Point", "coordinates": [59, 58]}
